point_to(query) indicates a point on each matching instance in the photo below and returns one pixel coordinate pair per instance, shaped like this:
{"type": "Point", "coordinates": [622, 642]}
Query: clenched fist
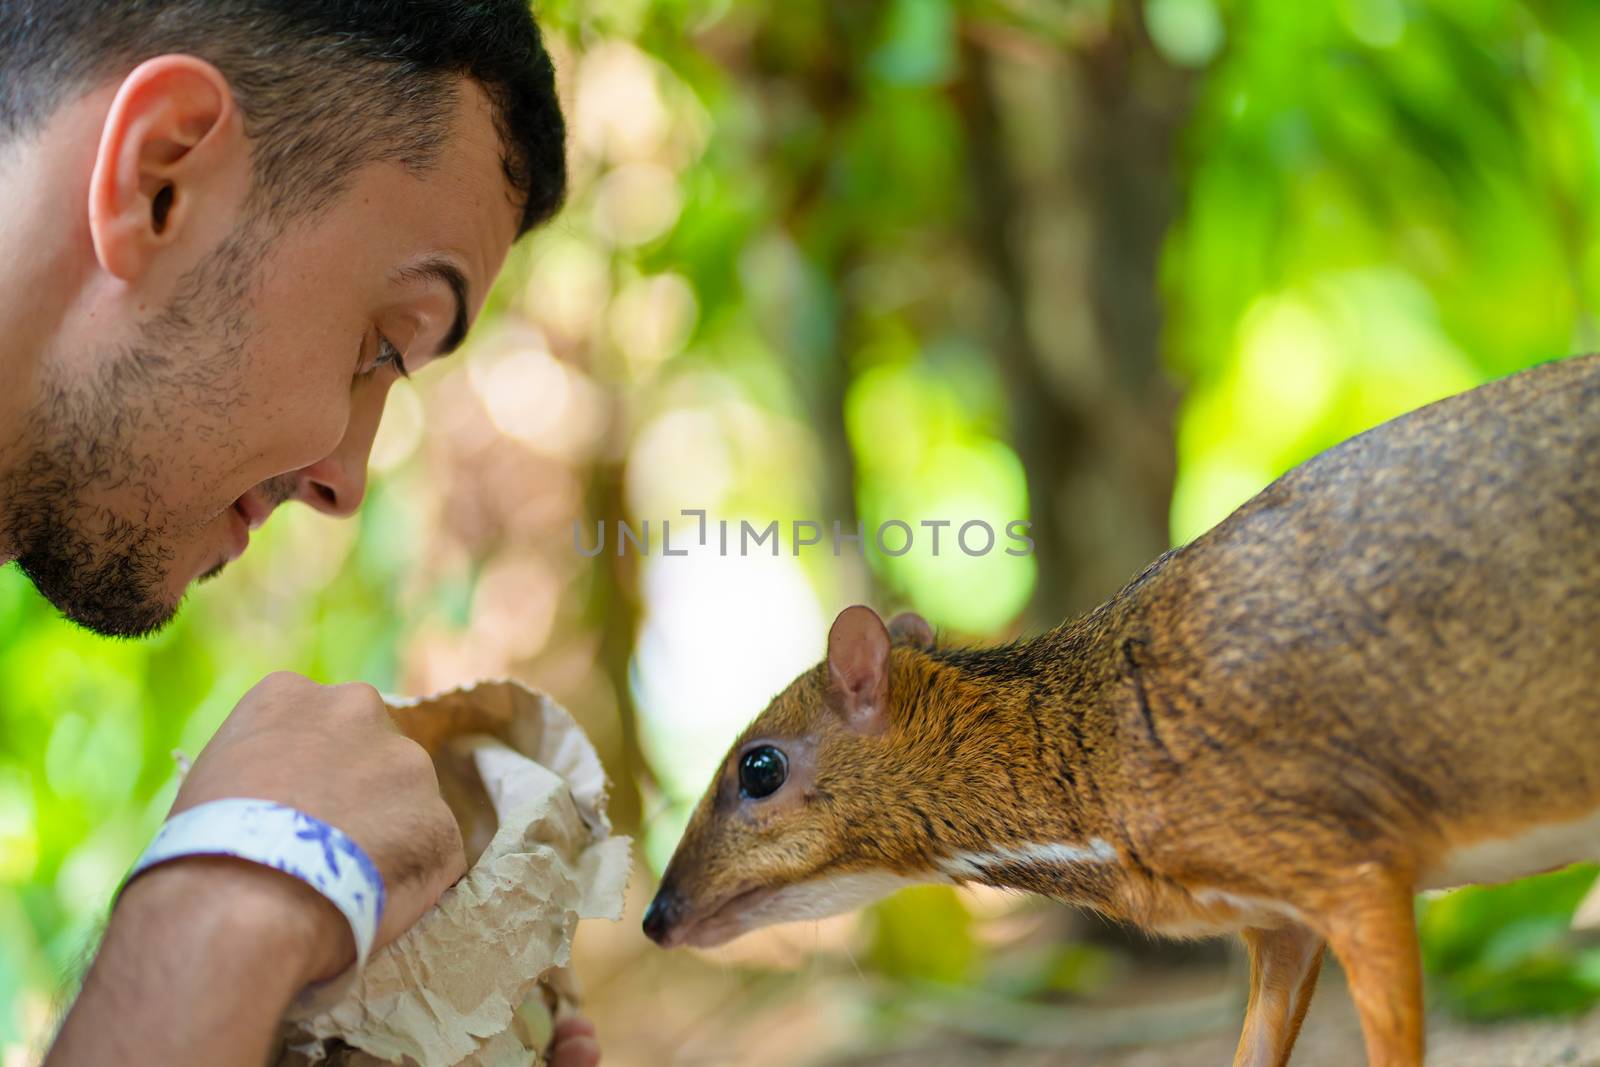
{"type": "Point", "coordinates": [333, 752]}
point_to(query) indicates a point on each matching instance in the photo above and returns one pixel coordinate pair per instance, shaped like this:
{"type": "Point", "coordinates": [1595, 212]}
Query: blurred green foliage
{"type": "Point", "coordinates": [901, 945]}
{"type": "Point", "coordinates": [1388, 202]}
{"type": "Point", "coordinates": [764, 268]}
{"type": "Point", "coordinates": [1501, 951]}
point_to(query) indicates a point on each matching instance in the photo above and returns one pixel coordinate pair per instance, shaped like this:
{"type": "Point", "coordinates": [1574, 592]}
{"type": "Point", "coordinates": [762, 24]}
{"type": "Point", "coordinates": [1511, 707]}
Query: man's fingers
{"type": "Point", "coordinates": [573, 1026]}
{"type": "Point", "coordinates": [365, 703]}
{"type": "Point", "coordinates": [418, 872]}
{"type": "Point", "coordinates": [411, 760]}
{"type": "Point", "coordinates": [576, 1052]}
{"type": "Point", "coordinates": [574, 1044]}
{"type": "Point", "coordinates": [434, 857]}
{"type": "Point", "coordinates": [452, 847]}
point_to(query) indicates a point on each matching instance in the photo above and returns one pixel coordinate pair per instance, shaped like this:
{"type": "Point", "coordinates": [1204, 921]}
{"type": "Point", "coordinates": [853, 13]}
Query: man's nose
{"type": "Point", "coordinates": [337, 483]}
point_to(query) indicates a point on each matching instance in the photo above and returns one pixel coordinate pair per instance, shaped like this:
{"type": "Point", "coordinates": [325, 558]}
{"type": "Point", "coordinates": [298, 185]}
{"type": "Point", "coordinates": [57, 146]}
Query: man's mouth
{"type": "Point", "coordinates": [252, 509]}
{"type": "Point", "coordinates": [239, 522]}
{"type": "Point", "coordinates": [247, 513]}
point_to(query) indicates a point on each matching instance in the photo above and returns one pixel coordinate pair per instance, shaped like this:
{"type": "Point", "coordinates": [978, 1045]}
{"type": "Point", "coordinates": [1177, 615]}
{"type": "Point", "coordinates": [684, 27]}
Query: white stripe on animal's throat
{"type": "Point", "coordinates": [1045, 853]}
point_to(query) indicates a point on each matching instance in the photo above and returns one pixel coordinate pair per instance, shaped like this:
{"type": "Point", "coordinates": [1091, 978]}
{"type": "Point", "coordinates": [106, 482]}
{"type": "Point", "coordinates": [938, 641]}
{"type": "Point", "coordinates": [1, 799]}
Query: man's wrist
{"type": "Point", "coordinates": [246, 909]}
{"type": "Point", "coordinates": [285, 839]}
{"type": "Point", "coordinates": [200, 960]}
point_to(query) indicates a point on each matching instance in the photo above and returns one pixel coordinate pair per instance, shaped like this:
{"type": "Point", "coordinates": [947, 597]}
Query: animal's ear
{"type": "Point", "coordinates": [858, 669]}
{"type": "Point", "coordinates": [909, 628]}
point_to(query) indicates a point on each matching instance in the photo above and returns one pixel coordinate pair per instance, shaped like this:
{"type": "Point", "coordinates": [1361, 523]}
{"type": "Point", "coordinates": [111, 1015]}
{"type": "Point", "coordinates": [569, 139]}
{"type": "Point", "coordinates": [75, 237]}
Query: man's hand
{"type": "Point", "coordinates": [202, 956]}
{"type": "Point", "coordinates": [334, 753]}
{"type": "Point", "coordinates": [574, 1044]}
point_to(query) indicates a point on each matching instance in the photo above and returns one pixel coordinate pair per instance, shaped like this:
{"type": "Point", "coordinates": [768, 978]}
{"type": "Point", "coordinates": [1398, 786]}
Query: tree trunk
{"type": "Point", "coordinates": [1071, 159]}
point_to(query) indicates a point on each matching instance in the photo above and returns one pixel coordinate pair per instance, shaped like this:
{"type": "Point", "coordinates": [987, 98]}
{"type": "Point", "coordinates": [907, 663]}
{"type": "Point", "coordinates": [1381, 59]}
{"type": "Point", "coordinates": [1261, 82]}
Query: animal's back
{"type": "Point", "coordinates": [1416, 611]}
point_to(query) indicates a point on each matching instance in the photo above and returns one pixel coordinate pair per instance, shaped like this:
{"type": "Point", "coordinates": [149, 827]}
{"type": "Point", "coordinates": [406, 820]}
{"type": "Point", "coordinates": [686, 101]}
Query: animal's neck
{"type": "Point", "coordinates": [1058, 681]}
{"type": "Point", "coordinates": [1043, 670]}
{"type": "Point", "coordinates": [1024, 734]}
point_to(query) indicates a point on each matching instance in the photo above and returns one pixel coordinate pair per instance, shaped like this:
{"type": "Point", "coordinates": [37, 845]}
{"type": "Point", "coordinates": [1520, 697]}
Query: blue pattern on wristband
{"type": "Point", "coordinates": [285, 839]}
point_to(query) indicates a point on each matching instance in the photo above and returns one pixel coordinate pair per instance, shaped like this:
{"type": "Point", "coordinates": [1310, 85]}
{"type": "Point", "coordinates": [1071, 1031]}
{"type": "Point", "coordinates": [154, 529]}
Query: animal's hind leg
{"type": "Point", "coordinates": [1372, 929]}
{"type": "Point", "coordinates": [1284, 962]}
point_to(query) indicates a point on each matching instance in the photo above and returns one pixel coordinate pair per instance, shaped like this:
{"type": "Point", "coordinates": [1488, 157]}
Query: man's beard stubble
{"type": "Point", "coordinates": [109, 581]}
{"type": "Point", "coordinates": [104, 569]}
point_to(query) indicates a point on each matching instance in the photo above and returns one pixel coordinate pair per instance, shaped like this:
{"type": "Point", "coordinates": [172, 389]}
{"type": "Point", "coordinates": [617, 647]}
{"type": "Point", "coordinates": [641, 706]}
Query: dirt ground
{"type": "Point", "coordinates": [1331, 1039]}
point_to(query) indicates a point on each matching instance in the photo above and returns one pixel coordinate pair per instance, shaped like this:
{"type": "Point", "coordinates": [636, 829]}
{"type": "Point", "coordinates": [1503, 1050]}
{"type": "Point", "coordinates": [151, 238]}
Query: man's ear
{"type": "Point", "coordinates": [168, 141]}
{"type": "Point", "coordinates": [858, 669]}
{"type": "Point", "coordinates": [909, 628]}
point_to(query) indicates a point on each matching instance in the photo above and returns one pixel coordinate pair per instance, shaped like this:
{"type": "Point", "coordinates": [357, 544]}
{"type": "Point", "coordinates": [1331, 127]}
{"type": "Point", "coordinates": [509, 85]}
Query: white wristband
{"type": "Point", "coordinates": [277, 836]}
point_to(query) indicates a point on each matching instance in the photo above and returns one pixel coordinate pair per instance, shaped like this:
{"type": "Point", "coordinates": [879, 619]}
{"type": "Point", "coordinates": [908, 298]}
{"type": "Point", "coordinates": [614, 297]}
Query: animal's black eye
{"type": "Point", "coordinates": [762, 771]}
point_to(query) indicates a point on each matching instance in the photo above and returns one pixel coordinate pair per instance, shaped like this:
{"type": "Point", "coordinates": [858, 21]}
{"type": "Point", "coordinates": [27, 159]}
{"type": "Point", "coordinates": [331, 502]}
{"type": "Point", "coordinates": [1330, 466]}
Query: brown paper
{"type": "Point", "coordinates": [529, 791]}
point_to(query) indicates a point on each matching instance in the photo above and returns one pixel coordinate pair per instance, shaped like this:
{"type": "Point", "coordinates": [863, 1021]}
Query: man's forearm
{"type": "Point", "coordinates": [198, 964]}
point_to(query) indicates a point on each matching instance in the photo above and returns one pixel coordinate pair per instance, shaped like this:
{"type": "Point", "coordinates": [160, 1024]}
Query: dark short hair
{"type": "Point", "coordinates": [324, 86]}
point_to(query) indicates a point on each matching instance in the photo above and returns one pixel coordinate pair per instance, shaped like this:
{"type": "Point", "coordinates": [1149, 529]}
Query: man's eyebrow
{"type": "Point", "coordinates": [445, 271]}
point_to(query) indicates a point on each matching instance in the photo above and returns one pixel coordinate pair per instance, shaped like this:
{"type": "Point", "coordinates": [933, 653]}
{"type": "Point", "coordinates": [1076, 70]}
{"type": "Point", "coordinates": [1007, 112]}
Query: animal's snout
{"type": "Point", "coordinates": [662, 916]}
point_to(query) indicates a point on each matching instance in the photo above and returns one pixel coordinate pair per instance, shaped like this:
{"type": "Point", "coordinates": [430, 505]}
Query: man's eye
{"type": "Point", "coordinates": [388, 355]}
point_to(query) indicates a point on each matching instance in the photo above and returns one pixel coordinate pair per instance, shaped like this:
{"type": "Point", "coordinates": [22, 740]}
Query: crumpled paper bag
{"type": "Point", "coordinates": [529, 792]}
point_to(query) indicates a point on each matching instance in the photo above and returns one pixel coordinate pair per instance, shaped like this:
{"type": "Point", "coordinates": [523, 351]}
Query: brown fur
{"type": "Point", "coordinates": [1280, 728]}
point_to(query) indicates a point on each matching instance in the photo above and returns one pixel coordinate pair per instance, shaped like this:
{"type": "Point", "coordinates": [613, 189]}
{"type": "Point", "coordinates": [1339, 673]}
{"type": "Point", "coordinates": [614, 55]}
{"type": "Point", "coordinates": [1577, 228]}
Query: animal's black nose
{"type": "Point", "coordinates": [658, 920]}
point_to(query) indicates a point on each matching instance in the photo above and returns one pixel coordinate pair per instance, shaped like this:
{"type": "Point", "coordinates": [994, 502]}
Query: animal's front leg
{"type": "Point", "coordinates": [1284, 963]}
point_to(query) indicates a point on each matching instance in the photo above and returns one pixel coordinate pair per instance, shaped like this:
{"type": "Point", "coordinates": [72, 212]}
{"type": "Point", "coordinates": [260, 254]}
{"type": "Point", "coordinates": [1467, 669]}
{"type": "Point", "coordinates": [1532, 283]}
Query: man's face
{"type": "Point", "coordinates": [263, 381]}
